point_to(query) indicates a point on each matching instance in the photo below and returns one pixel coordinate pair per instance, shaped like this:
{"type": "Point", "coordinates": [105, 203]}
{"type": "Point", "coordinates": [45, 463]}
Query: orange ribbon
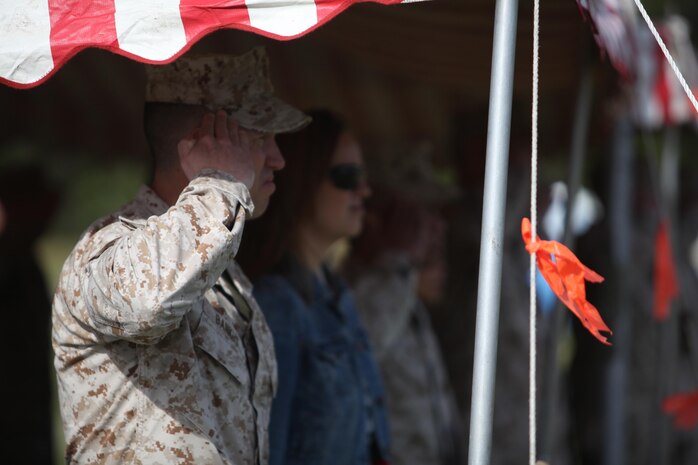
{"type": "Point", "coordinates": [566, 275]}
{"type": "Point", "coordinates": [684, 408]}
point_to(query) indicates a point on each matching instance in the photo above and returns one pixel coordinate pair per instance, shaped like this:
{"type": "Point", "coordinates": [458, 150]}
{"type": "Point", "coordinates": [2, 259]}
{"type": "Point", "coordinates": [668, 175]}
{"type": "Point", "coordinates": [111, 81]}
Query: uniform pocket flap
{"type": "Point", "coordinates": [217, 336]}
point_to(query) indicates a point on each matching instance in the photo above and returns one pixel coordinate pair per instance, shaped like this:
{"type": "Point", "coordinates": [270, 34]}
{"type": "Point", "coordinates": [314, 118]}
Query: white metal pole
{"type": "Point", "coordinates": [491, 241]}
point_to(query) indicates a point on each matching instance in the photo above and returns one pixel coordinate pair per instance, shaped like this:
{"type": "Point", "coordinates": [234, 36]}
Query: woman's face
{"type": "Point", "coordinates": [339, 211]}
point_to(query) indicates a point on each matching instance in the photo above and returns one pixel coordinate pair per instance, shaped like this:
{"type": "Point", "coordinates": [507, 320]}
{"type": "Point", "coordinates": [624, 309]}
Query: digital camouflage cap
{"type": "Point", "coordinates": [240, 85]}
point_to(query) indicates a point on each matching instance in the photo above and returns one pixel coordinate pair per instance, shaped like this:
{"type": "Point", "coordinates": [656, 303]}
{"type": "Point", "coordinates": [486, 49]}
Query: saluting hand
{"type": "Point", "coordinates": [219, 143]}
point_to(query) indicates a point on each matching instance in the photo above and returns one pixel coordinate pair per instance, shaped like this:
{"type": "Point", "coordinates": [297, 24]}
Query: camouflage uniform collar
{"type": "Point", "coordinates": [152, 202]}
{"type": "Point", "coordinates": [148, 204]}
{"type": "Point", "coordinates": [240, 279]}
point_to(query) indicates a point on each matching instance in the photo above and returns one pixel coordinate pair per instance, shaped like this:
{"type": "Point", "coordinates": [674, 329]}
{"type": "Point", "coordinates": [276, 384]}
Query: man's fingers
{"type": "Point", "coordinates": [233, 131]}
{"type": "Point", "coordinates": [221, 126]}
{"type": "Point", "coordinates": [219, 143]}
{"type": "Point", "coordinates": [206, 125]}
{"type": "Point", "coordinates": [184, 149]}
{"type": "Point", "coordinates": [245, 139]}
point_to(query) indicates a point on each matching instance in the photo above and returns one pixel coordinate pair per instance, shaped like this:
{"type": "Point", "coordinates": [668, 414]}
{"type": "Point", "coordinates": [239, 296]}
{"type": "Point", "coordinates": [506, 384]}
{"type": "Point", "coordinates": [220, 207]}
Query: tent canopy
{"type": "Point", "coordinates": [397, 72]}
{"type": "Point", "coordinates": [38, 37]}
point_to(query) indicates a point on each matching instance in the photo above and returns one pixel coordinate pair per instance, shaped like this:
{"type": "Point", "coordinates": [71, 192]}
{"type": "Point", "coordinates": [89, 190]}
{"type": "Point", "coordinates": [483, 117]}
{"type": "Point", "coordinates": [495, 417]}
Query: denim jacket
{"type": "Point", "coordinates": [329, 407]}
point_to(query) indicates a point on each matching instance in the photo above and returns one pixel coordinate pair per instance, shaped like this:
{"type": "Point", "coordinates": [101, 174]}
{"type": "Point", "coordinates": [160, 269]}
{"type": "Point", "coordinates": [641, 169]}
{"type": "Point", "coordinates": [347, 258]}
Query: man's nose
{"type": "Point", "coordinates": [275, 160]}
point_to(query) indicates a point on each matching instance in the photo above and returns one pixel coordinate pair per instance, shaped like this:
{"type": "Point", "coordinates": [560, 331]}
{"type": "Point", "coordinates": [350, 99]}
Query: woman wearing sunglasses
{"type": "Point", "coordinates": [329, 403]}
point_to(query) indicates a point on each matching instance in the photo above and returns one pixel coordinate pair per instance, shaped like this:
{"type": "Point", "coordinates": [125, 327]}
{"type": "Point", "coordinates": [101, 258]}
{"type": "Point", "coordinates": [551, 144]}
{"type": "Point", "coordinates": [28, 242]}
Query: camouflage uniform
{"type": "Point", "coordinates": [422, 412]}
{"type": "Point", "coordinates": [162, 355]}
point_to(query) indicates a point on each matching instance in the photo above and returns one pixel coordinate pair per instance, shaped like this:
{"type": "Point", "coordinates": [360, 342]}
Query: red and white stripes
{"type": "Point", "coordinates": [38, 36]}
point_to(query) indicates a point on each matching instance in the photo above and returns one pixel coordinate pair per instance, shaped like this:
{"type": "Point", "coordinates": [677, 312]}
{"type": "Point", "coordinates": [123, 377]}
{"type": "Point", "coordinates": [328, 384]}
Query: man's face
{"type": "Point", "coordinates": [267, 159]}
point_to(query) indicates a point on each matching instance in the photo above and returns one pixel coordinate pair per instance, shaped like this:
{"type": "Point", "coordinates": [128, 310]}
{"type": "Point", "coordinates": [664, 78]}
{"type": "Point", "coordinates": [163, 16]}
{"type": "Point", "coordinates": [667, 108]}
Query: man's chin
{"type": "Point", "coordinates": [260, 206]}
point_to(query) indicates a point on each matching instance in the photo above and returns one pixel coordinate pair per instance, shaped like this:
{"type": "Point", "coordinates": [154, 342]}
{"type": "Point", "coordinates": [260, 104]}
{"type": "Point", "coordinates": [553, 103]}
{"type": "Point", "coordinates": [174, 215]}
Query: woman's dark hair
{"type": "Point", "coordinates": [308, 154]}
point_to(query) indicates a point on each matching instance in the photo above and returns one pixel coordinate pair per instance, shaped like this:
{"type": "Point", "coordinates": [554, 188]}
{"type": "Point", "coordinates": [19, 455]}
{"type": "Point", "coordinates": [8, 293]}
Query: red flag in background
{"type": "Point", "coordinates": [566, 275]}
{"type": "Point", "coordinates": [666, 286]}
{"type": "Point", "coordinates": [684, 408]}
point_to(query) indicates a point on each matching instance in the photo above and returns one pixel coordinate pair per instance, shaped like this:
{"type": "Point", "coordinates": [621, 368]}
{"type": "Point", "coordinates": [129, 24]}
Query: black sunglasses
{"type": "Point", "coordinates": [347, 176]}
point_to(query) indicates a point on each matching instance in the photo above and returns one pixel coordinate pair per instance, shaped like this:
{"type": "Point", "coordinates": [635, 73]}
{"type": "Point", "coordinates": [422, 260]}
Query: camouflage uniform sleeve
{"type": "Point", "coordinates": [140, 279]}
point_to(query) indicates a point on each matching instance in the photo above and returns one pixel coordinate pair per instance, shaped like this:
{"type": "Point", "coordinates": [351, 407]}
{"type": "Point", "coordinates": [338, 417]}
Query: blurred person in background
{"type": "Point", "coordinates": [329, 406]}
{"type": "Point", "coordinates": [27, 206]}
{"type": "Point", "coordinates": [398, 270]}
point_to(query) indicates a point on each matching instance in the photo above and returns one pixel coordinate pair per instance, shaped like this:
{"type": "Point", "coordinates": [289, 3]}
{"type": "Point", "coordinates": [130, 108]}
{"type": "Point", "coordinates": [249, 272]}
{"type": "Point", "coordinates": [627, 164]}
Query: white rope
{"type": "Point", "coordinates": [668, 56]}
{"type": "Point", "coordinates": [534, 196]}
{"type": "Point", "coordinates": [534, 224]}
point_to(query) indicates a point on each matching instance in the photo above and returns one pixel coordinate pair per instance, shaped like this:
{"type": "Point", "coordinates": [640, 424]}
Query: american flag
{"type": "Point", "coordinates": [613, 24]}
{"type": "Point", "coordinates": [659, 99]}
{"type": "Point", "coordinates": [38, 36]}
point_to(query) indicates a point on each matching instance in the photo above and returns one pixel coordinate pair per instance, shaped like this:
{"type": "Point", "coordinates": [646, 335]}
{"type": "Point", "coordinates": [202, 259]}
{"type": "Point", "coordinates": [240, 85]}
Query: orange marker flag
{"type": "Point", "coordinates": [666, 286]}
{"type": "Point", "coordinates": [566, 275]}
{"type": "Point", "coordinates": [684, 408]}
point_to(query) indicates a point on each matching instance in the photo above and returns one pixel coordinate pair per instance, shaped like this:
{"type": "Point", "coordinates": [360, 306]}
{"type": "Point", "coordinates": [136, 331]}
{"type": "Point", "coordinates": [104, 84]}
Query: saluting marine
{"type": "Point", "coordinates": [162, 353]}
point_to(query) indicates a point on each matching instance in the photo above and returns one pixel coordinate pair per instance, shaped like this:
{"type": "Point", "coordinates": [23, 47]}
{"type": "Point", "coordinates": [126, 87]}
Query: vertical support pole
{"type": "Point", "coordinates": [621, 224]}
{"type": "Point", "coordinates": [491, 242]}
